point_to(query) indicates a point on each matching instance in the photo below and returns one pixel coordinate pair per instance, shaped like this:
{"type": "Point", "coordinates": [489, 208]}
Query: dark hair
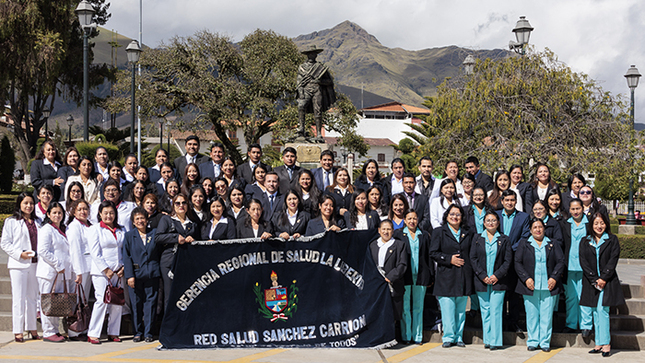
{"type": "Point", "coordinates": [283, 212]}
{"type": "Point", "coordinates": [448, 163]}
{"type": "Point", "coordinates": [353, 211]}
{"type": "Point", "coordinates": [125, 160]}
{"type": "Point", "coordinates": [166, 164]}
{"type": "Point", "coordinates": [161, 149]}
{"type": "Point", "coordinates": [192, 137]}
{"type": "Point", "coordinates": [388, 221]}
{"type": "Point", "coordinates": [68, 199]}
{"type": "Point", "coordinates": [239, 188]}
{"type": "Point", "coordinates": [350, 187]}
{"type": "Point", "coordinates": [254, 145]}
{"type": "Point", "coordinates": [486, 204]}
{"type": "Point", "coordinates": [138, 210]}
{"type": "Point", "coordinates": [131, 197]}
{"type": "Point", "coordinates": [269, 173]}
{"type": "Point", "coordinates": [397, 160]}
{"type": "Point", "coordinates": [323, 199]}
{"type": "Point", "coordinates": [447, 212]}
{"type": "Point", "coordinates": [442, 197]}
{"type": "Point", "coordinates": [262, 167]}
{"type": "Point", "coordinates": [71, 208]}
{"type": "Point", "coordinates": [247, 221]}
{"type": "Point", "coordinates": [496, 195]}
{"type": "Point", "coordinates": [108, 204]}
{"type": "Point", "coordinates": [186, 183]}
{"type": "Point", "coordinates": [534, 220]}
{"type": "Point", "coordinates": [114, 164]}
{"type": "Point", "coordinates": [69, 150]}
{"type": "Point", "coordinates": [172, 180]}
{"type": "Point", "coordinates": [217, 144]}
{"type": "Point", "coordinates": [198, 188]}
{"type": "Point", "coordinates": [154, 198]}
{"type": "Point", "coordinates": [314, 192]}
{"type": "Point", "coordinates": [99, 148]}
{"type": "Point", "coordinates": [541, 202]}
{"type": "Point", "coordinates": [289, 149]}
{"type": "Point", "coordinates": [363, 176]}
{"type": "Point", "coordinates": [561, 210]}
{"type": "Point", "coordinates": [136, 171]}
{"type": "Point", "coordinates": [112, 182]}
{"type": "Point", "coordinates": [470, 177]}
{"type": "Point", "coordinates": [575, 200]}
{"type": "Point", "coordinates": [382, 205]}
{"type": "Point", "coordinates": [221, 202]}
{"type": "Point", "coordinates": [490, 212]}
{"type": "Point", "coordinates": [595, 204]}
{"type": "Point", "coordinates": [213, 192]}
{"type": "Point", "coordinates": [508, 193]}
{"type": "Point", "coordinates": [515, 166]}
{"type": "Point", "coordinates": [396, 197]}
{"type": "Point", "coordinates": [41, 152]}
{"type": "Point", "coordinates": [47, 220]}
{"type": "Point", "coordinates": [472, 159]}
{"type": "Point", "coordinates": [17, 212]}
{"type": "Point", "coordinates": [47, 187]}
{"type": "Point", "coordinates": [425, 158]}
{"type": "Point", "coordinates": [594, 216]}
{"type": "Point", "coordinates": [228, 158]}
{"type": "Point", "coordinates": [535, 178]}
{"type": "Point", "coordinates": [574, 176]}
{"type": "Point", "coordinates": [327, 153]}
{"type": "Point", "coordinates": [92, 172]}
{"type": "Point", "coordinates": [408, 175]}
{"type": "Point", "coordinates": [190, 214]}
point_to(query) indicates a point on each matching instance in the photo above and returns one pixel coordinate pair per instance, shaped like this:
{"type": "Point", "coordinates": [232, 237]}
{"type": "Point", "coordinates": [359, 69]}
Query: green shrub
{"type": "Point", "coordinates": [632, 246]}
{"type": "Point", "coordinates": [4, 216]}
{"type": "Point", "coordinates": [7, 205]}
{"type": "Point", "coordinates": [89, 149]}
{"type": "Point", "coordinates": [7, 165]}
{"type": "Point", "coordinates": [149, 156]}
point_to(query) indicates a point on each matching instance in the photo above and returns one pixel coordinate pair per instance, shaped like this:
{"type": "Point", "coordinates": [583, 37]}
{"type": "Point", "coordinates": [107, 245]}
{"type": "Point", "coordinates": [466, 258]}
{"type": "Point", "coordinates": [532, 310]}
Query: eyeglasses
{"type": "Point", "coordinates": [585, 192]}
{"type": "Point", "coordinates": [492, 221]}
{"type": "Point", "coordinates": [110, 191]}
{"type": "Point", "coordinates": [179, 204]}
{"type": "Point", "coordinates": [455, 214]}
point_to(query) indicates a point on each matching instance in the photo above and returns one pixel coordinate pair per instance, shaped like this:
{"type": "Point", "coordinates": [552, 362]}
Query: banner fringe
{"type": "Point", "coordinates": [259, 240]}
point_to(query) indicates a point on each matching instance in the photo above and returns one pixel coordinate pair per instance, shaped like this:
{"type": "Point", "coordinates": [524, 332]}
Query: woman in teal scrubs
{"type": "Point", "coordinates": [599, 253]}
{"type": "Point", "coordinates": [491, 256]}
{"type": "Point", "coordinates": [539, 264]}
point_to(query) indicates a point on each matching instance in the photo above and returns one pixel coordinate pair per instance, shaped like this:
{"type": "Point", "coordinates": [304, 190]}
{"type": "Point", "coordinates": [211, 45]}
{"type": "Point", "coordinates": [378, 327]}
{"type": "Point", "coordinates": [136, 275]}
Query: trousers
{"type": "Point", "coordinates": [453, 317]}
{"type": "Point", "coordinates": [24, 294]}
{"type": "Point", "coordinates": [577, 315]}
{"type": "Point", "coordinates": [491, 305]}
{"type": "Point", "coordinates": [601, 322]}
{"type": "Point", "coordinates": [100, 309]}
{"type": "Point", "coordinates": [539, 318]}
{"type": "Point", "coordinates": [412, 322]}
{"type": "Point", "coordinates": [143, 299]}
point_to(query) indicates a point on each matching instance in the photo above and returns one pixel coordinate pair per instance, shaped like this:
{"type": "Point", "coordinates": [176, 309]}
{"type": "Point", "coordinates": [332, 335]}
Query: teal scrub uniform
{"type": "Point", "coordinates": [453, 311]}
{"type": "Point", "coordinates": [413, 298]}
{"type": "Point", "coordinates": [600, 313]}
{"type": "Point", "coordinates": [576, 315]}
{"type": "Point", "coordinates": [479, 225]}
{"type": "Point", "coordinates": [539, 307]}
{"type": "Point", "coordinates": [491, 302]}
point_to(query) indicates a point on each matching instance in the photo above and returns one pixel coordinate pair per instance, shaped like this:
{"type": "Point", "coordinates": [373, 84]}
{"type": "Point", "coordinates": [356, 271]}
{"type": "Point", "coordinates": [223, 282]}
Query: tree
{"type": "Point", "coordinates": [7, 165]}
{"type": "Point", "coordinates": [520, 110]}
{"type": "Point", "coordinates": [41, 58]}
{"type": "Point", "coordinates": [250, 86]}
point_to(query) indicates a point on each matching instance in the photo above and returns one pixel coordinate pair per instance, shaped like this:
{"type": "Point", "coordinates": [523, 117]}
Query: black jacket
{"type": "Point", "coordinates": [553, 230]}
{"type": "Point", "coordinates": [609, 254]}
{"type": "Point", "coordinates": [525, 266]}
{"type": "Point", "coordinates": [224, 230]}
{"type": "Point", "coordinates": [285, 182]}
{"type": "Point", "coordinates": [373, 220]}
{"type": "Point", "coordinates": [317, 225]}
{"type": "Point", "coordinates": [42, 174]}
{"type": "Point", "coordinates": [425, 275]}
{"type": "Point", "coordinates": [526, 191]}
{"type": "Point", "coordinates": [243, 231]}
{"type": "Point", "coordinates": [503, 260]}
{"type": "Point", "coordinates": [484, 181]}
{"type": "Point", "coordinates": [299, 227]}
{"type": "Point", "coordinates": [395, 265]}
{"type": "Point", "coordinates": [244, 171]}
{"type": "Point", "coordinates": [451, 280]}
{"type": "Point", "coordinates": [341, 201]}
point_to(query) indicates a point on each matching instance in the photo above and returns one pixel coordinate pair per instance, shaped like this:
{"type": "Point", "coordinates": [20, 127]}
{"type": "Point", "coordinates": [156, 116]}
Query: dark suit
{"type": "Point", "coordinates": [223, 230]}
{"type": "Point", "coordinates": [207, 169]}
{"type": "Point", "coordinates": [394, 267]}
{"type": "Point", "coordinates": [421, 188]}
{"type": "Point", "coordinates": [319, 177]}
{"type": "Point", "coordinates": [609, 254]}
{"type": "Point", "coordinates": [554, 231]}
{"type": "Point", "coordinates": [287, 183]}
{"type": "Point", "coordinates": [154, 175]}
{"type": "Point", "coordinates": [525, 266]}
{"type": "Point", "coordinates": [422, 207]}
{"type": "Point", "coordinates": [260, 195]}
{"type": "Point", "coordinates": [451, 280]}
{"type": "Point", "coordinates": [519, 229]}
{"type": "Point", "coordinates": [42, 174]}
{"type": "Point", "coordinates": [526, 192]}
{"type": "Point", "coordinates": [534, 192]}
{"type": "Point", "coordinates": [141, 262]}
{"type": "Point", "coordinates": [503, 261]}
{"type": "Point", "coordinates": [180, 164]}
{"type": "Point", "coordinates": [279, 226]}
{"type": "Point", "coordinates": [64, 172]}
{"type": "Point", "coordinates": [425, 274]}
{"type": "Point", "coordinates": [373, 220]}
{"type": "Point", "coordinates": [247, 232]}
{"type": "Point", "coordinates": [341, 201]}
{"type": "Point", "coordinates": [317, 225]}
{"type": "Point", "coordinates": [245, 172]}
{"type": "Point", "coordinates": [484, 181]}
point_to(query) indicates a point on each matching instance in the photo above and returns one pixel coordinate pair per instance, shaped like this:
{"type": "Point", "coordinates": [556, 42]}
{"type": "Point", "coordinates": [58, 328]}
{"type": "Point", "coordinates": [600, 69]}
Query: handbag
{"type": "Point", "coordinates": [114, 294]}
{"type": "Point", "coordinates": [80, 321]}
{"type": "Point", "coordinates": [61, 304]}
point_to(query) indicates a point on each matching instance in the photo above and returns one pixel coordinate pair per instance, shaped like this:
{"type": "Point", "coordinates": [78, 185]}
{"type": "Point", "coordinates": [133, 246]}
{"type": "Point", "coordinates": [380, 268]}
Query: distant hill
{"type": "Point", "coordinates": [357, 57]}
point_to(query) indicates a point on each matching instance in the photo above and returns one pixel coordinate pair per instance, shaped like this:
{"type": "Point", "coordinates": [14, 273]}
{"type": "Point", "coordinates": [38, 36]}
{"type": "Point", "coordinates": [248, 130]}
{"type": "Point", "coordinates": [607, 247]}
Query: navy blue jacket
{"type": "Point", "coordinates": [425, 275]}
{"type": "Point", "coordinates": [317, 225]}
{"type": "Point", "coordinates": [525, 266]}
{"type": "Point", "coordinates": [139, 261]}
{"type": "Point", "coordinates": [503, 260]}
{"type": "Point", "coordinates": [318, 176]}
{"type": "Point", "coordinates": [519, 230]}
{"type": "Point", "coordinates": [451, 280]}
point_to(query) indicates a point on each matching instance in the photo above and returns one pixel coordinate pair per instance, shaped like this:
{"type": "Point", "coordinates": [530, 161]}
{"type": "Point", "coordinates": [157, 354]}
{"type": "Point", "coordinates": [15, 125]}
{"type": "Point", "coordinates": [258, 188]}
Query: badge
{"type": "Point", "coordinates": [277, 302]}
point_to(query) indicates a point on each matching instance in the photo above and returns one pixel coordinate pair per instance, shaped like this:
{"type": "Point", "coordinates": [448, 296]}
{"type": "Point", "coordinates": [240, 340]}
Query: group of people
{"type": "Point", "coordinates": [95, 222]}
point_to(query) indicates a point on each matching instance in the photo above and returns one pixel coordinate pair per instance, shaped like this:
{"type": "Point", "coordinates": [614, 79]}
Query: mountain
{"type": "Point", "coordinates": [357, 57]}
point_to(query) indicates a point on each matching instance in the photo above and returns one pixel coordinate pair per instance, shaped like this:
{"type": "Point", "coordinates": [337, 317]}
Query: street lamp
{"type": "Point", "coordinates": [160, 133]}
{"type": "Point", "coordinates": [85, 12]}
{"type": "Point", "coordinates": [469, 65]}
{"type": "Point", "coordinates": [168, 124]}
{"type": "Point", "coordinates": [632, 77]}
{"type": "Point", "coordinates": [522, 32]}
{"type": "Point", "coordinates": [70, 123]}
{"type": "Point", "coordinates": [46, 114]}
{"type": "Point", "coordinates": [134, 51]}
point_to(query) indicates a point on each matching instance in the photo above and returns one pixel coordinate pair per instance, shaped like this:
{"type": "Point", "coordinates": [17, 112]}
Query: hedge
{"type": "Point", "coordinates": [89, 149]}
{"type": "Point", "coordinates": [632, 246]}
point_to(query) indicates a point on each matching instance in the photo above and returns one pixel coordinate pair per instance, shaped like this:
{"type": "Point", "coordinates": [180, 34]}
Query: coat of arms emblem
{"type": "Point", "coordinates": [276, 302]}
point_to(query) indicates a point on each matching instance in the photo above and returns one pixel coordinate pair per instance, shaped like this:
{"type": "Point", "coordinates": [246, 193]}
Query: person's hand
{"type": "Point", "coordinates": [131, 282]}
{"type": "Point", "coordinates": [296, 235]}
{"type": "Point", "coordinates": [342, 211]}
{"type": "Point", "coordinates": [189, 239]}
{"type": "Point", "coordinates": [121, 272]}
{"type": "Point", "coordinates": [486, 280]}
{"type": "Point", "coordinates": [493, 280]}
{"type": "Point", "coordinates": [387, 280]}
{"type": "Point", "coordinates": [334, 228]}
{"type": "Point", "coordinates": [25, 255]}
{"type": "Point", "coordinates": [284, 235]}
{"type": "Point", "coordinates": [99, 178]}
{"type": "Point", "coordinates": [530, 284]}
{"type": "Point", "coordinates": [601, 283]}
{"type": "Point", "coordinates": [455, 260]}
{"type": "Point", "coordinates": [265, 235]}
{"type": "Point", "coordinates": [181, 240]}
{"type": "Point", "coordinates": [551, 284]}
{"type": "Point", "coordinates": [58, 181]}
{"type": "Point", "coordinates": [79, 279]}
{"type": "Point", "coordinates": [108, 273]}
{"type": "Point", "coordinates": [61, 271]}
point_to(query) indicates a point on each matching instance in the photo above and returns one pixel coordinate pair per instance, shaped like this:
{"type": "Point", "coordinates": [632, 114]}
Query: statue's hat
{"type": "Point", "coordinates": [311, 49]}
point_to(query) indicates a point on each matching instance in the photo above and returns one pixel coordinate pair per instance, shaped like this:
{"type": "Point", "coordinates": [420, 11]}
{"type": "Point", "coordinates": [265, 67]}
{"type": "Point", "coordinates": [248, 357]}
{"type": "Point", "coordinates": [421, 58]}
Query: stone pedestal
{"type": "Point", "coordinates": [625, 229]}
{"type": "Point", "coordinates": [308, 153]}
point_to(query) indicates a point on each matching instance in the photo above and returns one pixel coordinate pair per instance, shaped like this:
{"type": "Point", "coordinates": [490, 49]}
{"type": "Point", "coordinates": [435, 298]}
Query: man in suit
{"type": "Point", "coordinates": [425, 181]}
{"type": "Point", "coordinates": [324, 175]}
{"type": "Point", "coordinates": [272, 199]}
{"type": "Point", "coordinates": [192, 156]}
{"type": "Point", "coordinates": [481, 179]}
{"type": "Point", "coordinates": [213, 167]}
{"type": "Point", "coordinates": [515, 225]}
{"type": "Point", "coordinates": [254, 155]}
{"type": "Point", "coordinates": [418, 202]}
{"type": "Point", "coordinates": [288, 172]}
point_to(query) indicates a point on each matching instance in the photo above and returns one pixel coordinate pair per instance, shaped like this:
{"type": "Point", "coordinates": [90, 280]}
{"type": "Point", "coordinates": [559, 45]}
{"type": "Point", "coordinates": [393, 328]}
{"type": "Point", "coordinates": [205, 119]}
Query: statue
{"type": "Point", "coordinates": [315, 88]}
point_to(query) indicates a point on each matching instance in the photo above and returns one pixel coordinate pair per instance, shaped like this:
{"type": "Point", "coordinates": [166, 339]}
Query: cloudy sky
{"type": "Point", "coordinates": [598, 37]}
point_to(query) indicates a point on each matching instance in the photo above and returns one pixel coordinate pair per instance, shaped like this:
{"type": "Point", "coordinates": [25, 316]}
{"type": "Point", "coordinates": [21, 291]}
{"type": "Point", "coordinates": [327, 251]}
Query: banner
{"type": "Point", "coordinates": [322, 291]}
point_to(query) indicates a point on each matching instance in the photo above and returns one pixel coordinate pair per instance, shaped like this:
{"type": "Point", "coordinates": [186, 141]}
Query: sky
{"type": "Point", "coordinates": [600, 38]}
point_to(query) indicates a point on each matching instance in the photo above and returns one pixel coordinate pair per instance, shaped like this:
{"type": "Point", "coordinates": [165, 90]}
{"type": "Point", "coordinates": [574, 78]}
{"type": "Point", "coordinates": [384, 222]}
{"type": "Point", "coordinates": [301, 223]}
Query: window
{"type": "Point", "coordinates": [381, 158]}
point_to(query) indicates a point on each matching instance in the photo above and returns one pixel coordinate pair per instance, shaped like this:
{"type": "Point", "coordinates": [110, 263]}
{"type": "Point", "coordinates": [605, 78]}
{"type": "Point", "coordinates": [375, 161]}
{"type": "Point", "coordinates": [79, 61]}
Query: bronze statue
{"type": "Point", "coordinates": [315, 88]}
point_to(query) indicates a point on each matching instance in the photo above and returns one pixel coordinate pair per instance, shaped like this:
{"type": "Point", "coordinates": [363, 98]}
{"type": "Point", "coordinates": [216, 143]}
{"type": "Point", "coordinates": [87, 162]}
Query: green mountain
{"type": "Point", "coordinates": [357, 58]}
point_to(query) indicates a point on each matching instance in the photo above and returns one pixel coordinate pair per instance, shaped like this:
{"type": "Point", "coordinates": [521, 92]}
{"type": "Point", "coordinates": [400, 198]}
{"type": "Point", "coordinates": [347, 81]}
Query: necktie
{"type": "Point", "coordinates": [271, 202]}
{"type": "Point", "coordinates": [217, 170]}
{"type": "Point", "coordinates": [326, 181]}
{"type": "Point", "coordinates": [290, 173]}
{"type": "Point", "coordinates": [410, 200]}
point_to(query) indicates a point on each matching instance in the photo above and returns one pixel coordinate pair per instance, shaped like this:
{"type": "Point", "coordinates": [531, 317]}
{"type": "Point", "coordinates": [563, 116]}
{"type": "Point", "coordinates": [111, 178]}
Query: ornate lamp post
{"type": "Point", "coordinates": [469, 65]}
{"type": "Point", "coordinates": [70, 123]}
{"type": "Point", "coordinates": [134, 52]}
{"type": "Point", "coordinates": [632, 77]}
{"type": "Point", "coordinates": [46, 114]}
{"type": "Point", "coordinates": [85, 12]}
{"type": "Point", "coordinates": [522, 32]}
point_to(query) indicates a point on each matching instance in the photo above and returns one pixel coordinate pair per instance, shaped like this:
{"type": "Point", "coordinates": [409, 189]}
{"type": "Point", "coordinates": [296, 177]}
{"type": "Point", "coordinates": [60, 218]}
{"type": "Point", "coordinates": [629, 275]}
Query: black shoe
{"type": "Point", "coordinates": [492, 348]}
{"type": "Point", "coordinates": [518, 329]}
{"type": "Point", "coordinates": [531, 349]}
{"type": "Point", "coordinates": [546, 350]}
{"type": "Point", "coordinates": [595, 351]}
{"type": "Point", "coordinates": [137, 338]}
{"type": "Point", "coordinates": [606, 354]}
{"type": "Point", "coordinates": [149, 340]}
{"type": "Point", "coordinates": [486, 346]}
{"type": "Point", "coordinates": [446, 345]}
{"type": "Point", "coordinates": [568, 330]}
{"type": "Point", "coordinates": [586, 333]}
{"type": "Point", "coordinates": [461, 344]}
